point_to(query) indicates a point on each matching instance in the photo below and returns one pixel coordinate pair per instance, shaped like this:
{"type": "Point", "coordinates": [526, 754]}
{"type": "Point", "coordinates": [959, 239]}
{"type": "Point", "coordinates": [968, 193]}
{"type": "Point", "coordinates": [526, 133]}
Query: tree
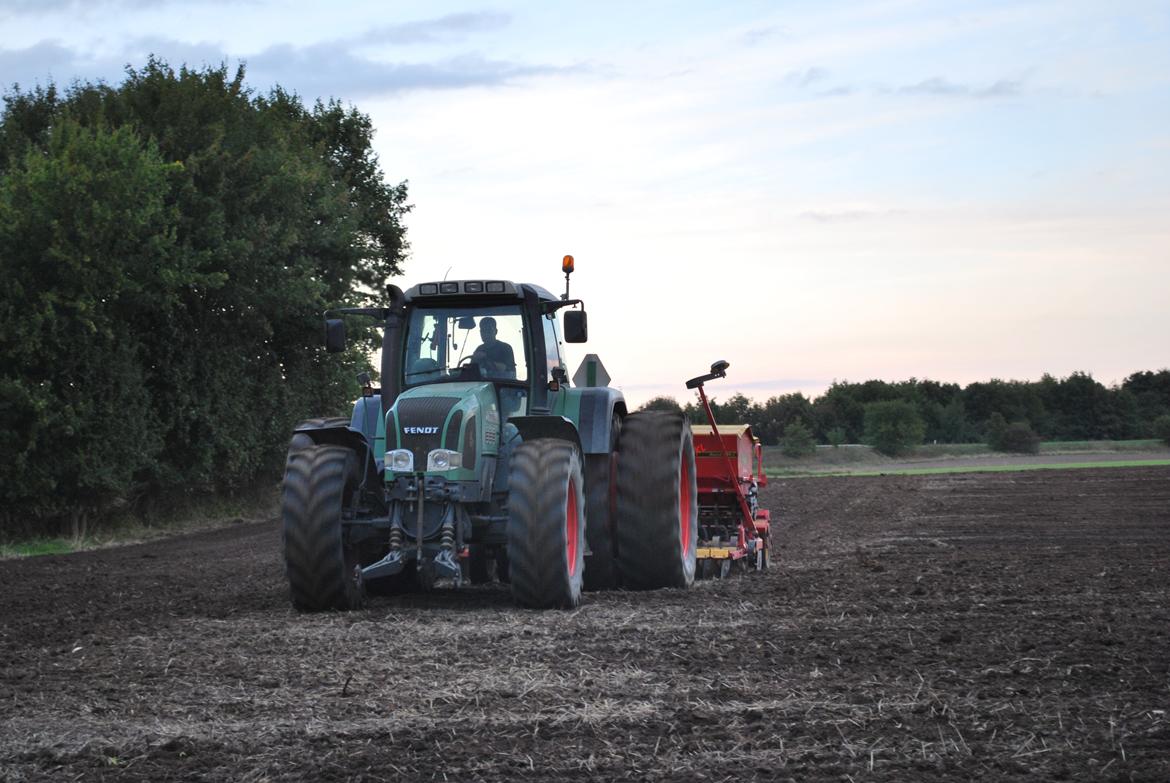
{"type": "Point", "coordinates": [167, 247]}
{"type": "Point", "coordinates": [1081, 409]}
{"type": "Point", "coordinates": [1015, 400]}
{"type": "Point", "coordinates": [777, 414]}
{"type": "Point", "coordinates": [797, 441]}
{"type": "Point", "coordinates": [893, 427]}
{"type": "Point", "coordinates": [1151, 392]}
{"type": "Point", "coordinates": [996, 427]}
{"type": "Point", "coordinates": [952, 422]}
{"type": "Point", "coordinates": [1161, 428]}
{"type": "Point", "coordinates": [86, 234]}
{"type": "Point", "coordinates": [838, 407]}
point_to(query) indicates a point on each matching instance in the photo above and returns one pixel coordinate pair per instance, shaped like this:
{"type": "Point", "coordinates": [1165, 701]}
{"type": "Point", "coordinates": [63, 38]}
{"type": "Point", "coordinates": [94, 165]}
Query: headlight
{"type": "Point", "coordinates": [442, 459]}
{"type": "Point", "coordinates": [401, 460]}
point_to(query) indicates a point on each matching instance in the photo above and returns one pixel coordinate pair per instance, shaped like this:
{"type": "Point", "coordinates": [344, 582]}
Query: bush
{"type": "Point", "coordinates": [797, 441]}
{"type": "Point", "coordinates": [1162, 428]}
{"type": "Point", "coordinates": [1017, 438]}
{"type": "Point", "coordinates": [996, 426]}
{"type": "Point", "coordinates": [893, 427]}
{"type": "Point", "coordinates": [836, 436]}
{"type": "Point", "coordinates": [662, 403]}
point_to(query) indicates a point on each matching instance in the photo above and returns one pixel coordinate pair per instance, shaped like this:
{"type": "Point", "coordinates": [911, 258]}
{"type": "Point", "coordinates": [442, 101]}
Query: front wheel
{"type": "Point", "coordinates": [324, 571]}
{"type": "Point", "coordinates": [546, 524]}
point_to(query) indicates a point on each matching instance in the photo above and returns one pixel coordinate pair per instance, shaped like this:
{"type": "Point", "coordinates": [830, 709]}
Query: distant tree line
{"type": "Point", "coordinates": [167, 247]}
{"type": "Point", "coordinates": [1011, 415]}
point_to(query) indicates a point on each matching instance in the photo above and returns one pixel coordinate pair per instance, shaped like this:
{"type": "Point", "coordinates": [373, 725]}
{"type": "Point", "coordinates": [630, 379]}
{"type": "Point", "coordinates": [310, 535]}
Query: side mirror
{"type": "Point", "coordinates": [334, 335]}
{"type": "Point", "coordinates": [576, 326]}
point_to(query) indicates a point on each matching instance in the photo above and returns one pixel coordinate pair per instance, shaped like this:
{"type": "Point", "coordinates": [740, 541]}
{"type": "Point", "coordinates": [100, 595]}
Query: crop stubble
{"type": "Point", "coordinates": [930, 627]}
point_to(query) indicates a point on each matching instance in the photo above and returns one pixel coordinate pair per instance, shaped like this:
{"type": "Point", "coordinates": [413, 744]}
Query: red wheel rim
{"type": "Point", "coordinates": [571, 528]}
{"type": "Point", "coordinates": [684, 507]}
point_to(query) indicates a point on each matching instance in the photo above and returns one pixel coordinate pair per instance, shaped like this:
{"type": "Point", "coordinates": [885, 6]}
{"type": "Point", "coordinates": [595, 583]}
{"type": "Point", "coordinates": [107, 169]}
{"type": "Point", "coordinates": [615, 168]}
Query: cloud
{"type": "Point", "coordinates": [939, 86]}
{"type": "Point", "coordinates": [848, 215]}
{"type": "Point", "coordinates": [323, 69]}
{"type": "Point", "coordinates": [935, 86]}
{"type": "Point", "coordinates": [329, 69]}
{"type": "Point", "coordinates": [17, 7]}
{"type": "Point", "coordinates": [51, 62]}
{"type": "Point", "coordinates": [806, 77]}
{"type": "Point", "coordinates": [836, 92]}
{"type": "Point", "coordinates": [12, 8]}
{"type": "Point", "coordinates": [38, 64]}
{"type": "Point", "coordinates": [435, 30]}
{"type": "Point", "coordinates": [758, 35]}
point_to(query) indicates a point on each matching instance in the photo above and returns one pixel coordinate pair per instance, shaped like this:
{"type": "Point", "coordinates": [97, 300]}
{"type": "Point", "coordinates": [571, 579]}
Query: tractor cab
{"type": "Point", "coordinates": [481, 331]}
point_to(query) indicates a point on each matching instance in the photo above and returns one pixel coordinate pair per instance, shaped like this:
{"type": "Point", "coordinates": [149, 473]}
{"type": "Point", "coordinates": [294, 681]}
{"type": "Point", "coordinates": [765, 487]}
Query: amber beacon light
{"type": "Point", "coordinates": [567, 265]}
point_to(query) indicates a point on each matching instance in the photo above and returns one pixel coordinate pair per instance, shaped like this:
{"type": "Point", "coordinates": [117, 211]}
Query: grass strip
{"type": "Point", "coordinates": [36, 547]}
{"type": "Point", "coordinates": [184, 515]}
{"type": "Point", "coordinates": [1145, 463]}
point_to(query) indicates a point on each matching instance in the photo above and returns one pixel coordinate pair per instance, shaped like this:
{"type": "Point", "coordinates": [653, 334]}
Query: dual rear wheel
{"type": "Point", "coordinates": [656, 529]}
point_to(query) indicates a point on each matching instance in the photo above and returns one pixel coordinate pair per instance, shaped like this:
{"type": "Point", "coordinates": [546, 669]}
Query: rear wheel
{"type": "Point", "coordinates": [323, 569]}
{"type": "Point", "coordinates": [546, 524]}
{"type": "Point", "coordinates": [657, 512]}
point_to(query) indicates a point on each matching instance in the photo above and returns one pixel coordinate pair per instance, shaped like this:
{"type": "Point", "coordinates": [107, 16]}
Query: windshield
{"type": "Point", "coordinates": [465, 343]}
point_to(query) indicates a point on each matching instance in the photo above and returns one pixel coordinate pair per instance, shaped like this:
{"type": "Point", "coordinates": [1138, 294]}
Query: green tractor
{"type": "Point", "coordinates": [478, 459]}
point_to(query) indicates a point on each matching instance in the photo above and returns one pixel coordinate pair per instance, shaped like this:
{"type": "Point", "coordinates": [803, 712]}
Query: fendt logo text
{"type": "Point", "coordinates": [420, 430]}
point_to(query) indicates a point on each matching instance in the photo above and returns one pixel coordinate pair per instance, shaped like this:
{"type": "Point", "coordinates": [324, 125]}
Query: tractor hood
{"type": "Point", "coordinates": [461, 419]}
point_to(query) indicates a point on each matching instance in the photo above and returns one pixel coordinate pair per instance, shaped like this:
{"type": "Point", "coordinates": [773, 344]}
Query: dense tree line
{"type": "Point", "coordinates": [167, 247]}
{"type": "Point", "coordinates": [1061, 409]}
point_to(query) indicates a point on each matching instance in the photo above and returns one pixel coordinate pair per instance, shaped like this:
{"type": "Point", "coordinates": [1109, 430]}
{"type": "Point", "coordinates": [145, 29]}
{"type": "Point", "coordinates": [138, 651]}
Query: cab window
{"type": "Point", "coordinates": [552, 347]}
{"type": "Point", "coordinates": [440, 342]}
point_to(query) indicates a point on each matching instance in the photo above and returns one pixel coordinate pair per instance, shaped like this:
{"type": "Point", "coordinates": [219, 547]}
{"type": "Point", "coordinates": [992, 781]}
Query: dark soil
{"type": "Point", "coordinates": [994, 626]}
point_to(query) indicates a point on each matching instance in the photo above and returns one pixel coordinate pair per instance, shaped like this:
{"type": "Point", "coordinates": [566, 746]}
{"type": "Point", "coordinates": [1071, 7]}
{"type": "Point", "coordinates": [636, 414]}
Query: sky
{"type": "Point", "coordinates": [812, 191]}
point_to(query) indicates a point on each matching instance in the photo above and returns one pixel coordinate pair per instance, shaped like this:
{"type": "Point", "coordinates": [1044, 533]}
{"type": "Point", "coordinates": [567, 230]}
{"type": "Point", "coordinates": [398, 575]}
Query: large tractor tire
{"type": "Point", "coordinates": [323, 569]}
{"type": "Point", "coordinates": [657, 502]}
{"type": "Point", "coordinates": [546, 524]}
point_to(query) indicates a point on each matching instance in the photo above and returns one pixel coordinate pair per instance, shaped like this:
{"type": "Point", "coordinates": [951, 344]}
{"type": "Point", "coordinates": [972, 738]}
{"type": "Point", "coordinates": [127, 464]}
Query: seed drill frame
{"type": "Point", "coordinates": [734, 532]}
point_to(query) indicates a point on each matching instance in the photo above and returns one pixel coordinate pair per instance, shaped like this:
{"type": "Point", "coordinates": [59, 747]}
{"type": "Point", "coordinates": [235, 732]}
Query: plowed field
{"type": "Point", "coordinates": [994, 626]}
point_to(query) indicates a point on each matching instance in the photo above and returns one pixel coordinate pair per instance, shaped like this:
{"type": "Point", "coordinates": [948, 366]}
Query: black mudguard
{"type": "Point", "coordinates": [337, 432]}
{"type": "Point", "coordinates": [599, 405]}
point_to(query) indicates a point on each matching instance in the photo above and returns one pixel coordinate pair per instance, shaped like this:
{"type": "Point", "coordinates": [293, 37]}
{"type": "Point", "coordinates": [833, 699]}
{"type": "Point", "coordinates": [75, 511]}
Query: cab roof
{"type": "Point", "coordinates": [447, 290]}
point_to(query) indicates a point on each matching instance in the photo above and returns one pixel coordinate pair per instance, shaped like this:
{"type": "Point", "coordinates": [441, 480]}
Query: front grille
{"type": "Point", "coordinates": [427, 413]}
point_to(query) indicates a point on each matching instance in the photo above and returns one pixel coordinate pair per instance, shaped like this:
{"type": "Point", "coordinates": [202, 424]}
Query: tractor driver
{"type": "Point", "coordinates": [494, 357]}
